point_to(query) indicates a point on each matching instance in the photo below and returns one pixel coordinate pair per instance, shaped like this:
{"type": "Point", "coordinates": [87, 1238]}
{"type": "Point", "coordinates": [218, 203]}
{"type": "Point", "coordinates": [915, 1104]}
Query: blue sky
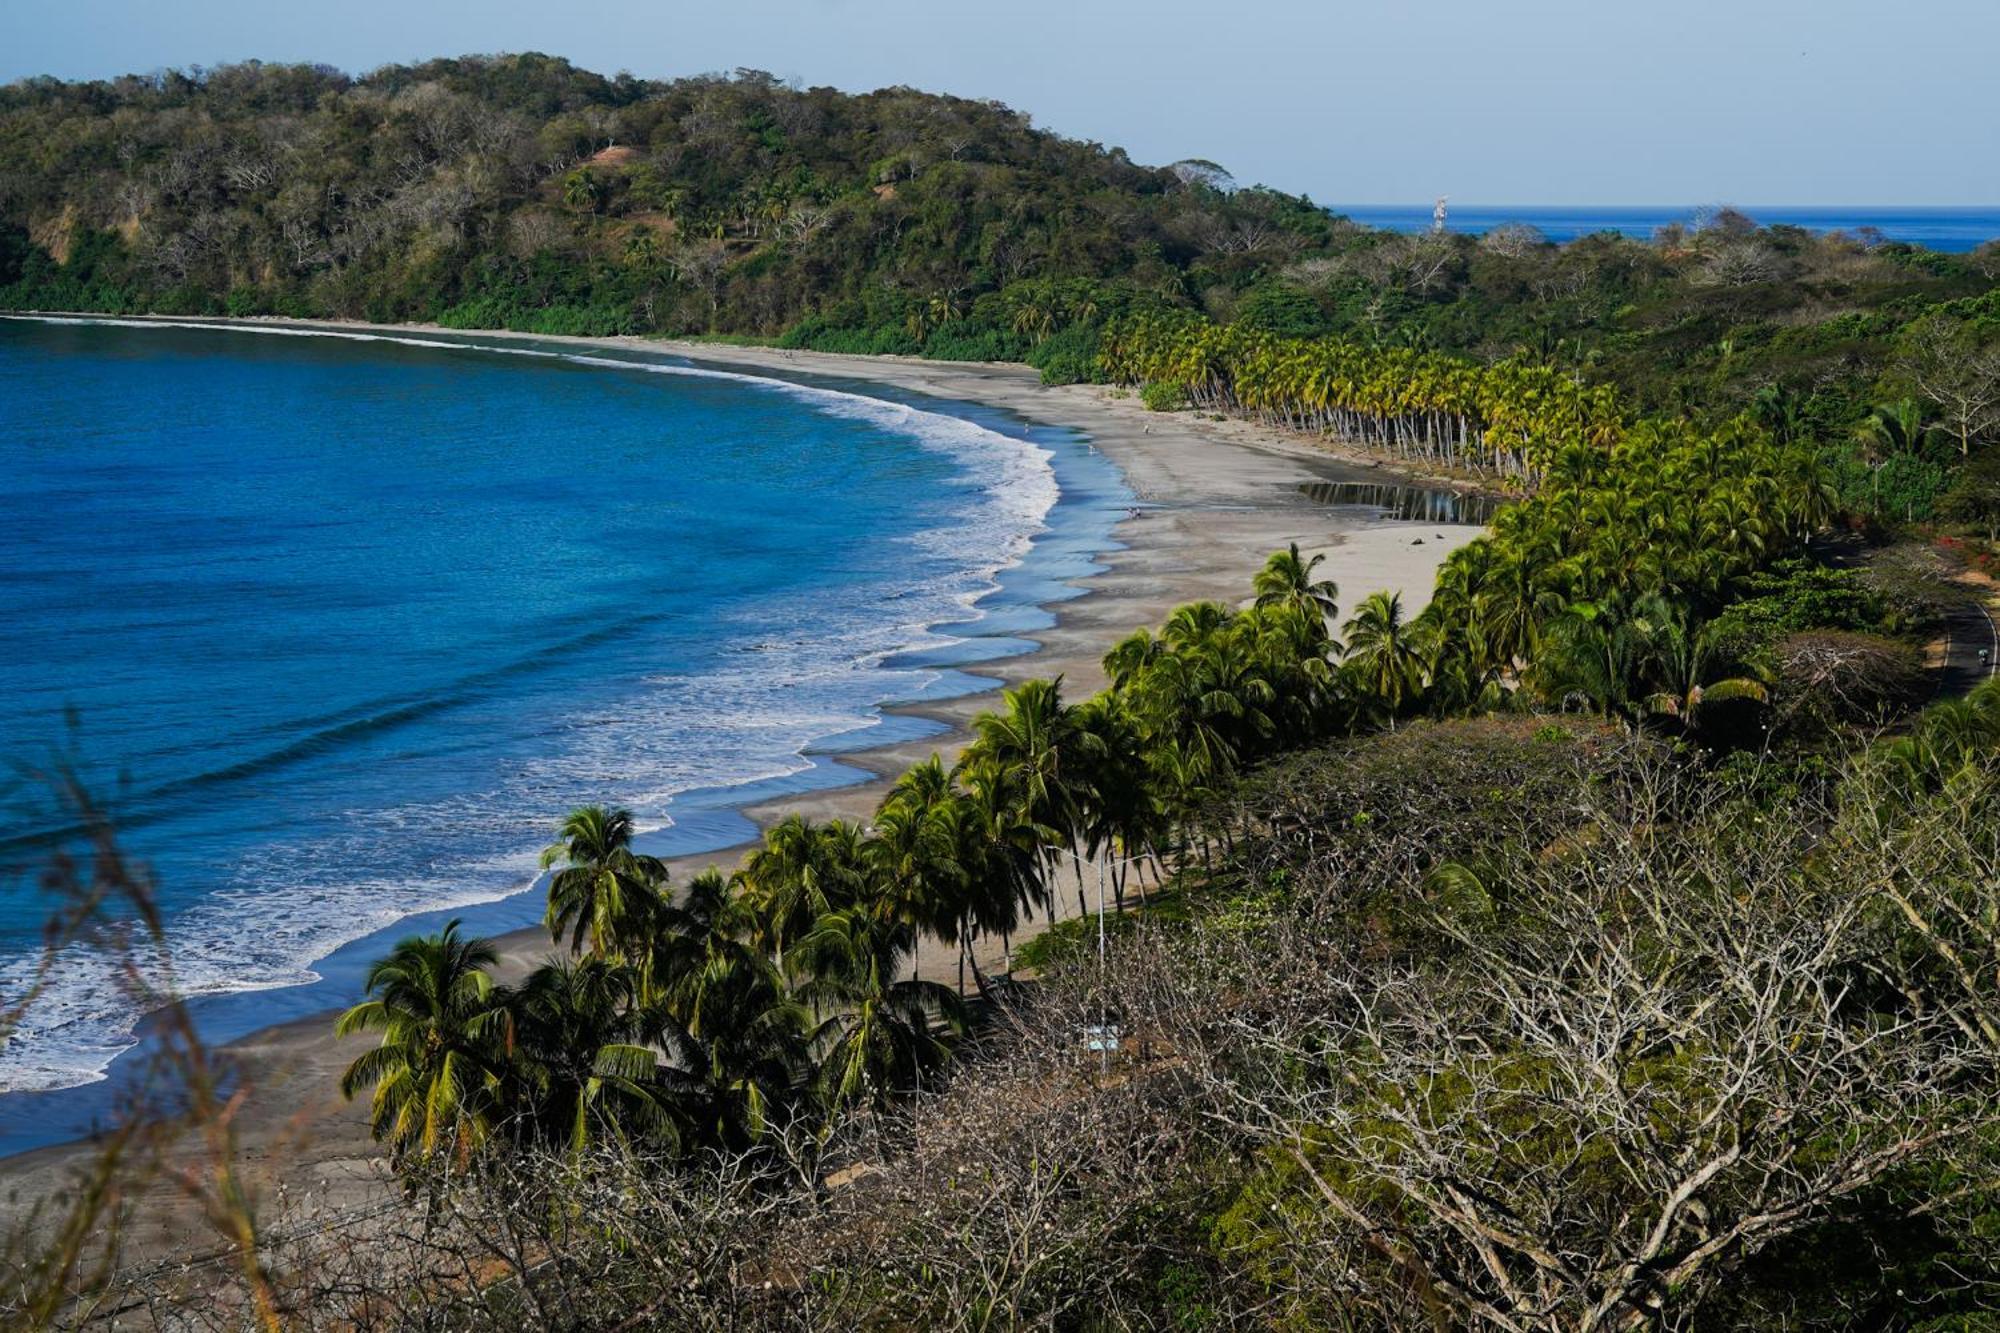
{"type": "Point", "coordinates": [1384, 101]}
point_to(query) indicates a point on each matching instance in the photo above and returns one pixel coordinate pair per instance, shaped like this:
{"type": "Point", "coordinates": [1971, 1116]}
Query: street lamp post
{"type": "Point", "coordinates": [1103, 1039]}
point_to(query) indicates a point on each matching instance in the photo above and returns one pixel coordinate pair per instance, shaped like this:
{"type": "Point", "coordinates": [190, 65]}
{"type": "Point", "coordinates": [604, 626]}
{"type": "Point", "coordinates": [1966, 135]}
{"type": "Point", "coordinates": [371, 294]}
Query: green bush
{"type": "Point", "coordinates": [1068, 357]}
{"type": "Point", "coordinates": [1904, 489]}
{"type": "Point", "coordinates": [1164, 396]}
{"type": "Point", "coordinates": [815, 334]}
{"type": "Point", "coordinates": [1791, 597]}
{"type": "Point", "coordinates": [963, 340]}
{"type": "Point", "coordinates": [486, 313]}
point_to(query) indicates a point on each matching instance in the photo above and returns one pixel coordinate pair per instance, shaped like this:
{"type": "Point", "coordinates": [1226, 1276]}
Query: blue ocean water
{"type": "Point", "coordinates": [1951, 229]}
{"type": "Point", "coordinates": [345, 624]}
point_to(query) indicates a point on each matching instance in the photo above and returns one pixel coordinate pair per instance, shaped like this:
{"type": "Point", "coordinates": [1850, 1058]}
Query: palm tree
{"type": "Point", "coordinates": [1385, 654]}
{"type": "Point", "coordinates": [1901, 427]}
{"type": "Point", "coordinates": [1287, 580]}
{"type": "Point", "coordinates": [1131, 657]}
{"type": "Point", "coordinates": [917, 874]}
{"type": "Point", "coordinates": [741, 1054]}
{"type": "Point", "coordinates": [1002, 849]}
{"type": "Point", "coordinates": [438, 1070]}
{"type": "Point", "coordinates": [881, 1037]}
{"type": "Point", "coordinates": [1782, 411]}
{"type": "Point", "coordinates": [703, 939]}
{"type": "Point", "coordinates": [801, 871]}
{"type": "Point", "coordinates": [1678, 662]}
{"type": "Point", "coordinates": [1589, 656]}
{"type": "Point", "coordinates": [604, 890]}
{"type": "Point", "coordinates": [580, 191]}
{"type": "Point", "coordinates": [1033, 738]}
{"type": "Point", "coordinates": [581, 1036]}
{"type": "Point", "coordinates": [1043, 757]}
{"type": "Point", "coordinates": [1123, 816]}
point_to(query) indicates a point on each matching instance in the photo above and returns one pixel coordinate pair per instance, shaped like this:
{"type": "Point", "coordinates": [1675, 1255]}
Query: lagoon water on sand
{"type": "Point", "coordinates": [1212, 498]}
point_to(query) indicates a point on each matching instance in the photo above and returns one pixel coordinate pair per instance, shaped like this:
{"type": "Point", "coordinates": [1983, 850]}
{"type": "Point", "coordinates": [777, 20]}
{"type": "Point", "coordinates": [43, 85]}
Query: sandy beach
{"type": "Point", "coordinates": [1215, 497]}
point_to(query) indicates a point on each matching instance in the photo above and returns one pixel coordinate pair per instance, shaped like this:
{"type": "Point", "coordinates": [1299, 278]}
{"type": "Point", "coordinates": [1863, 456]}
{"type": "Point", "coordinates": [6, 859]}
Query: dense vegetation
{"type": "Point", "coordinates": [1574, 954]}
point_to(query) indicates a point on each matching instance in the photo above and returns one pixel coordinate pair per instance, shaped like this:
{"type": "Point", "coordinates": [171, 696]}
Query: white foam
{"type": "Point", "coordinates": [748, 722]}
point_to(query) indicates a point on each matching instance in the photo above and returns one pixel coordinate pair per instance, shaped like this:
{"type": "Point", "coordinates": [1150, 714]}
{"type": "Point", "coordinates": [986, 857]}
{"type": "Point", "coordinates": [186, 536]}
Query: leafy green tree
{"type": "Point", "coordinates": [1974, 497]}
{"type": "Point", "coordinates": [581, 1051]}
{"type": "Point", "coordinates": [881, 1036]}
{"type": "Point", "coordinates": [601, 890]}
{"type": "Point", "coordinates": [439, 1069]}
{"type": "Point", "coordinates": [1387, 656]}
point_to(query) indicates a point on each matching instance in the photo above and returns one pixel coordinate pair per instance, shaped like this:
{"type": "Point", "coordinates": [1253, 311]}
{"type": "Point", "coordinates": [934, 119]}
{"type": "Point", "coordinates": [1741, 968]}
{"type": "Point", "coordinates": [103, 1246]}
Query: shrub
{"type": "Point", "coordinates": [1793, 596]}
{"type": "Point", "coordinates": [814, 334]}
{"type": "Point", "coordinates": [1068, 357]}
{"type": "Point", "coordinates": [963, 340]}
{"type": "Point", "coordinates": [1164, 396]}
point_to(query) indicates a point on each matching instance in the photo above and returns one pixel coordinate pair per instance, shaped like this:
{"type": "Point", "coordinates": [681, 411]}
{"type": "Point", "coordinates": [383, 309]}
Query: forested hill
{"type": "Point", "coordinates": [521, 192]}
{"type": "Point", "coordinates": [476, 189]}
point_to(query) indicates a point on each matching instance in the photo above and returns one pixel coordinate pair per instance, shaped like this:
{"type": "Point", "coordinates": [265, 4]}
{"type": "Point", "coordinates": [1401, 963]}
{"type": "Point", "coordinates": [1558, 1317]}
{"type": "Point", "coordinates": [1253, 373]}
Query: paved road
{"type": "Point", "coordinates": [1969, 632]}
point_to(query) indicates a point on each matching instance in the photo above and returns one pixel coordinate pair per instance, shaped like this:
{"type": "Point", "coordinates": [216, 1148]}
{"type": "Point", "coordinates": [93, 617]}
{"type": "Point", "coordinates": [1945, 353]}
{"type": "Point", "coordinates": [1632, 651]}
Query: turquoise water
{"type": "Point", "coordinates": [1953, 229]}
{"type": "Point", "coordinates": [346, 623]}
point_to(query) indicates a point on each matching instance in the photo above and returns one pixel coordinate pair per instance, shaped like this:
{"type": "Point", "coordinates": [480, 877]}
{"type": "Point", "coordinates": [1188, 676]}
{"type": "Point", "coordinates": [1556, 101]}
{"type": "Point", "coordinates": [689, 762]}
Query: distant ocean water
{"type": "Point", "coordinates": [348, 622]}
{"type": "Point", "coordinates": [1954, 229]}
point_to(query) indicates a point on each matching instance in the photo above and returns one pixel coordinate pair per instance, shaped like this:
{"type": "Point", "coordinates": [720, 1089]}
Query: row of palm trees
{"type": "Point", "coordinates": [1511, 417]}
{"type": "Point", "coordinates": [790, 990]}
{"type": "Point", "coordinates": [1594, 592]}
{"type": "Point", "coordinates": [1599, 589]}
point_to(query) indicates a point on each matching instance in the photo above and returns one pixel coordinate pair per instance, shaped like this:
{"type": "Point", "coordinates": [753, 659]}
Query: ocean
{"type": "Point", "coordinates": [339, 626]}
{"type": "Point", "coordinates": [1952, 229]}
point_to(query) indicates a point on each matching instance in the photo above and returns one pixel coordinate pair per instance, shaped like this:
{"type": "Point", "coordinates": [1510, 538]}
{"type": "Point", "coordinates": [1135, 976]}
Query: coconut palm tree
{"type": "Point", "coordinates": [580, 190]}
{"type": "Point", "coordinates": [1043, 757]}
{"type": "Point", "coordinates": [439, 1068]}
{"type": "Point", "coordinates": [801, 871]}
{"type": "Point", "coordinates": [1678, 668]}
{"type": "Point", "coordinates": [882, 1035]}
{"type": "Point", "coordinates": [705, 937]}
{"type": "Point", "coordinates": [1002, 848]}
{"type": "Point", "coordinates": [1780, 410]}
{"type": "Point", "coordinates": [1901, 427]}
{"type": "Point", "coordinates": [916, 872]}
{"type": "Point", "coordinates": [1131, 656]}
{"type": "Point", "coordinates": [1590, 658]}
{"type": "Point", "coordinates": [601, 890]}
{"type": "Point", "coordinates": [583, 1054]}
{"type": "Point", "coordinates": [1387, 656]}
{"type": "Point", "coordinates": [741, 1054]}
{"type": "Point", "coordinates": [1287, 580]}
{"type": "Point", "coordinates": [1033, 738]}
{"type": "Point", "coordinates": [1122, 819]}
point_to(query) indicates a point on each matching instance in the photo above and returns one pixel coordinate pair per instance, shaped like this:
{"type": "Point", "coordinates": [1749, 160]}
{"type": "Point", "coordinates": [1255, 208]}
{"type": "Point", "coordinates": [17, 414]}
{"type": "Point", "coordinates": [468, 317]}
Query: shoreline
{"type": "Point", "coordinates": [1211, 512]}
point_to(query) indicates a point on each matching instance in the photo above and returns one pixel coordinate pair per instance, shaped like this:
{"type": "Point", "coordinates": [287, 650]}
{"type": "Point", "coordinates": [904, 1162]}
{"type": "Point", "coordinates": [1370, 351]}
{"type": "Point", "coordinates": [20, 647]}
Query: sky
{"type": "Point", "coordinates": [1693, 102]}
